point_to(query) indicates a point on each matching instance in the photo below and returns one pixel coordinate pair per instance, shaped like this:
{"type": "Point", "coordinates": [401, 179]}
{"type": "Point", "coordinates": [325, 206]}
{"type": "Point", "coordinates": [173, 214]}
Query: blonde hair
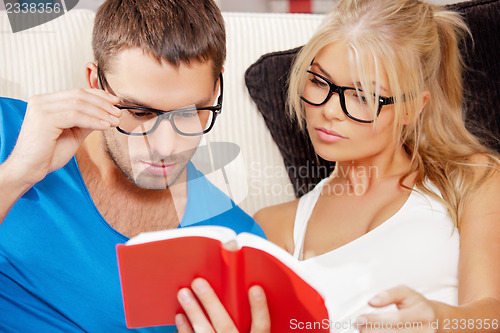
{"type": "Point", "coordinates": [417, 45]}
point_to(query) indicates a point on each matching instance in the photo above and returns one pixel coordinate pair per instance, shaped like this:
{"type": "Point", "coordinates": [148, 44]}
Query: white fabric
{"type": "Point", "coordinates": [417, 247]}
{"type": "Point", "coordinates": [52, 57]}
{"type": "Point", "coordinates": [47, 58]}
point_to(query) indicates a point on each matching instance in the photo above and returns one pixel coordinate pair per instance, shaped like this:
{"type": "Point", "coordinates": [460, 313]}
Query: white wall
{"type": "Point", "coordinates": [319, 6]}
{"type": "Point", "coordinates": [249, 5]}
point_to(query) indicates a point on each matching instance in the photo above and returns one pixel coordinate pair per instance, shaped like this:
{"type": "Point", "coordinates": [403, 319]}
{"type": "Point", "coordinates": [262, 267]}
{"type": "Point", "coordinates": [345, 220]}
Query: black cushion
{"type": "Point", "coordinates": [266, 81]}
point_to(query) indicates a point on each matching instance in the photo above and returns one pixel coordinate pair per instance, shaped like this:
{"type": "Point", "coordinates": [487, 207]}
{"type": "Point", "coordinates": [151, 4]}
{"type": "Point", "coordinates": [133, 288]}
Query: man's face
{"type": "Point", "coordinates": [159, 159]}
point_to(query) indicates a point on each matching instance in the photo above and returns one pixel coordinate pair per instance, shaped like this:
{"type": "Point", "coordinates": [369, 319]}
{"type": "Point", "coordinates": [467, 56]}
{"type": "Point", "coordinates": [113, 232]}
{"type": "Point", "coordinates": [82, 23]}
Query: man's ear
{"type": "Point", "coordinates": [91, 75]}
{"type": "Point", "coordinates": [217, 90]}
{"type": "Point", "coordinates": [425, 99]}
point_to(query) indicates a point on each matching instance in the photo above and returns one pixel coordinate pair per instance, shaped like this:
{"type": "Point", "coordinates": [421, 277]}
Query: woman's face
{"type": "Point", "coordinates": [334, 135]}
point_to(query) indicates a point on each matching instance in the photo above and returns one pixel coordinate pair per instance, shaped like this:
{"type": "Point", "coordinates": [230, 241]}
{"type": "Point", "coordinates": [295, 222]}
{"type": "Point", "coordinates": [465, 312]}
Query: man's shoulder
{"type": "Point", "coordinates": [12, 112]}
{"type": "Point", "coordinates": [11, 118]}
{"type": "Point", "coordinates": [7, 103]}
{"type": "Point", "coordinates": [209, 205]}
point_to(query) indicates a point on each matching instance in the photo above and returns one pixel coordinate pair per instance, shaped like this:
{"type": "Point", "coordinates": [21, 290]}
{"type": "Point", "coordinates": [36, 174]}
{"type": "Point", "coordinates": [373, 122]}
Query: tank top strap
{"type": "Point", "coordinates": [305, 208]}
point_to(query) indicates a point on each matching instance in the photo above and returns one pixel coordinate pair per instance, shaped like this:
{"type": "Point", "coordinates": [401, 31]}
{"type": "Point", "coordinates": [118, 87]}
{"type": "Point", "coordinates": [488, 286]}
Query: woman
{"type": "Point", "coordinates": [410, 215]}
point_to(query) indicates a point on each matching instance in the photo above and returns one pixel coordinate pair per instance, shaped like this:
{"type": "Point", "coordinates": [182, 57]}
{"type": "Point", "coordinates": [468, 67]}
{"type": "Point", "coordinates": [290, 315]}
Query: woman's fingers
{"type": "Point", "coordinates": [415, 312]}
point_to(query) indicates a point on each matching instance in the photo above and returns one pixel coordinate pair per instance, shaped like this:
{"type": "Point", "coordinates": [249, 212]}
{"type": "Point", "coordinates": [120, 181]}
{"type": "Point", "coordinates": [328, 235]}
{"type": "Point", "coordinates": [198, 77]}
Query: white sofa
{"type": "Point", "coordinates": [51, 57]}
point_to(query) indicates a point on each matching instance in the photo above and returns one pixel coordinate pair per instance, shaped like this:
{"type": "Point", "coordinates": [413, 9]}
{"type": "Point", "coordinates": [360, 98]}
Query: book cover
{"type": "Point", "coordinates": [154, 266]}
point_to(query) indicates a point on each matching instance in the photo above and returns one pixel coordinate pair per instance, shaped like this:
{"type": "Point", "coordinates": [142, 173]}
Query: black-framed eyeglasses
{"type": "Point", "coordinates": [318, 90]}
{"type": "Point", "coordinates": [188, 121]}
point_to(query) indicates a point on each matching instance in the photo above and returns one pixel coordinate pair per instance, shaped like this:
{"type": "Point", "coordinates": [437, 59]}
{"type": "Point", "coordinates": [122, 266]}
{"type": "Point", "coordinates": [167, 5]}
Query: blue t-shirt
{"type": "Point", "coordinates": [58, 266]}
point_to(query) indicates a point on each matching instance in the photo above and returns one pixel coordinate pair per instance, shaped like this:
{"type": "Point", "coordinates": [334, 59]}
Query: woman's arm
{"type": "Point", "coordinates": [479, 275]}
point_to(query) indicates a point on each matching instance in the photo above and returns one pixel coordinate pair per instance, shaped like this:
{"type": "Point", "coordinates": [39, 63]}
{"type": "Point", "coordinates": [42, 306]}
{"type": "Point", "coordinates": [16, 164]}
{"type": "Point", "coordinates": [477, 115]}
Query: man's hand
{"type": "Point", "coordinates": [55, 126]}
{"type": "Point", "coordinates": [219, 320]}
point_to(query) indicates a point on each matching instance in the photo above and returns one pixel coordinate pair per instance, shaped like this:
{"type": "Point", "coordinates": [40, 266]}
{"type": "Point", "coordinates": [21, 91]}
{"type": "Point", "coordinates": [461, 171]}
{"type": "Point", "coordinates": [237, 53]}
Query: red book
{"type": "Point", "coordinates": [154, 266]}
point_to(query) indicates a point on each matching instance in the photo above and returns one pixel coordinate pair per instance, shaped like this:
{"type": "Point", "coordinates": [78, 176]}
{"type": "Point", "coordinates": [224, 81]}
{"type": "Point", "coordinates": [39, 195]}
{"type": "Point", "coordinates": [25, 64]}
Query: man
{"type": "Point", "coordinates": [83, 170]}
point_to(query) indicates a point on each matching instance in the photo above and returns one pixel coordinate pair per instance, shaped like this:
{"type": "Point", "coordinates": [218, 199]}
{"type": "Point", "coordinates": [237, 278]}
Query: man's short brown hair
{"type": "Point", "coordinates": [176, 31]}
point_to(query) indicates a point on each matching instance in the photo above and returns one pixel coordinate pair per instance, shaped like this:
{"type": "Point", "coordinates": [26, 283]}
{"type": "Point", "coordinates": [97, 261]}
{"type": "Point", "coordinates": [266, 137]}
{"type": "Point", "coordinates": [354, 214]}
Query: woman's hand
{"type": "Point", "coordinates": [219, 320]}
{"type": "Point", "coordinates": [415, 313]}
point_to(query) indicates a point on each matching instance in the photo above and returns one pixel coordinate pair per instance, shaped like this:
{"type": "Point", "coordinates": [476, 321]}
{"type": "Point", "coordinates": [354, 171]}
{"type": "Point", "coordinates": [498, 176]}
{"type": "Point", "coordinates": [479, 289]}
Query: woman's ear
{"type": "Point", "coordinates": [425, 99]}
{"type": "Point", "coordinates": [91, 75]}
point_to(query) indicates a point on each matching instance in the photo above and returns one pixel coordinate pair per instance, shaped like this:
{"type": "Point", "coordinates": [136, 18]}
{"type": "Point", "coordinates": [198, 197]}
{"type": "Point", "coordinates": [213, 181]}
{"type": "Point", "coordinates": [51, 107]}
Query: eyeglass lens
{"type": "Point", "coordinates": [188, 122]}
{"type": "Point", "coordinates": [317, 91]}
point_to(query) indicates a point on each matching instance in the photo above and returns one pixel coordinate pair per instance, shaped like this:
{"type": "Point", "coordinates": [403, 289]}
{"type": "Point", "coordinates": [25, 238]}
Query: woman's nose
{"type": "Point", "coordinates": [332, 109]}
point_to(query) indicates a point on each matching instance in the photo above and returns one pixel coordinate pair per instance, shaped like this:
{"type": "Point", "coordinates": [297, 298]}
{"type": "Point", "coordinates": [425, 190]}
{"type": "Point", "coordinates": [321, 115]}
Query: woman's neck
{"type": "Point", "coordinates": [364, 173]}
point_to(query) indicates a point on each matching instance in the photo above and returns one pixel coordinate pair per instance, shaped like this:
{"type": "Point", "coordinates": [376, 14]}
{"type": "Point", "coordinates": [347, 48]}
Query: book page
{"type": "Point", "coordinates": [250, 240]}
{"type": "Point", "coordinates": [222, 234]}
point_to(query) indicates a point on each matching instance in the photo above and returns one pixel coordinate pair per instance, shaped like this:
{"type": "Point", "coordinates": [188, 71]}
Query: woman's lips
{"type": "Point", "coordinates": [329, 135]}
{"type": "Point", "coordinates": [158, 169]}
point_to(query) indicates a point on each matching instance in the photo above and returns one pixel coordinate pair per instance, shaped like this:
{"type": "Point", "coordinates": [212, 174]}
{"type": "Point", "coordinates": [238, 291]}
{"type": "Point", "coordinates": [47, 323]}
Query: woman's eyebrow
{"type": "Point", "coordinates": [324, 72]}
{"type": "Point", "coordinates": [358, 84]}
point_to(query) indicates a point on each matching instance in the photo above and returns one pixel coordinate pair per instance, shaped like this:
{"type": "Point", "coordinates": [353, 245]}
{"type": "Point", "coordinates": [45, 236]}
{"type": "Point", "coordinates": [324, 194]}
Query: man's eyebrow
{"type": "Point", "coordinates": [131, 101]}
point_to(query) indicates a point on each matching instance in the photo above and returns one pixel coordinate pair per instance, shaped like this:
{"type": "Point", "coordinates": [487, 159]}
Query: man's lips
{"type": "Point", "coordinates": [158, 169]}
{"type": "Point", "coordinates": [329, 135]}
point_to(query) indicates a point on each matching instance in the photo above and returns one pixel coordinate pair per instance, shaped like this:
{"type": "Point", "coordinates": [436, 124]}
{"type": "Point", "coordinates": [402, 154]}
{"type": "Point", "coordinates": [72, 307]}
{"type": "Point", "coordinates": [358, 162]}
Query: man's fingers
{"type": "Point", "coordinates": [79, 99]}
{"type": "Point", "coordinates": [194, 311]}
{"type": "Point", "coordinates": [94, 96]}
{"type": "Point", "coordinates": [85, 116]}
{"type": "Point", "coordinates": [104, 94]}
{"type": "Point", "coordinates": [219, 317]}
{"type": "Point", "coordinates": [182, 323]}
{"type": "Point", "coordinates": [261, 321]}
{"type": "Point", "coordinates": [63, 115]}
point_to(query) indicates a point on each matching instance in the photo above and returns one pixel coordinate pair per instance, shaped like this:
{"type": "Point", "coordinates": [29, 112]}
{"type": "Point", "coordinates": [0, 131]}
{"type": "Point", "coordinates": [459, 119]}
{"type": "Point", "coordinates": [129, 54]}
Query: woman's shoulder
{"type": "Point", "coordinates": [482, 163]}
{"type": "Point", "coordinates": [484, 201]}
{"type": "Point", "coordinates": [277, 222]}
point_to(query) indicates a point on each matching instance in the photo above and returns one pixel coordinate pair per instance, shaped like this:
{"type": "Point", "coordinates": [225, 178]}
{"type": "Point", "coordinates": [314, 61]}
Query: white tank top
{"type": "Point", "coordinates": [417, 247]}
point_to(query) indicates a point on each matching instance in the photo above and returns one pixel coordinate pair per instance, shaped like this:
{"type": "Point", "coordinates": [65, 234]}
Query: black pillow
{"type": "Point", "coordinates": [266, 81]}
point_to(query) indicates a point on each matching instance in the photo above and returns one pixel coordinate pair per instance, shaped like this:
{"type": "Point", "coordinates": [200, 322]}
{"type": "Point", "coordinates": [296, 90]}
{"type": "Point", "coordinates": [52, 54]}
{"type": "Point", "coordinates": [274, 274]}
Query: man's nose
{"type": "Point", "coordinates": [163, 138]}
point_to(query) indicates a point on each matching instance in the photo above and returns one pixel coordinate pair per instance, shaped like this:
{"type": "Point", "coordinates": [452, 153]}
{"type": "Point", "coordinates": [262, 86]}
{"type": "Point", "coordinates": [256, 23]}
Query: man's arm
{"type": "Point", "coordinates": [54, 127]}
{"type": "Point", "coordinates": [12, 186]}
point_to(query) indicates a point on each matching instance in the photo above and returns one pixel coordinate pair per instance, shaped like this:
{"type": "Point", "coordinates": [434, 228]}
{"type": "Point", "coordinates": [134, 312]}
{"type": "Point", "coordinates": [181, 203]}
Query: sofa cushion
{"type": "Point", "coordinates": [266, 81]}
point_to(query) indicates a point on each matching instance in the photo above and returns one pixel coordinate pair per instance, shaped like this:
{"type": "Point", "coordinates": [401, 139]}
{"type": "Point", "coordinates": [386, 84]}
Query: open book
{"type": "Point", "coordinates": [155, 265]}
